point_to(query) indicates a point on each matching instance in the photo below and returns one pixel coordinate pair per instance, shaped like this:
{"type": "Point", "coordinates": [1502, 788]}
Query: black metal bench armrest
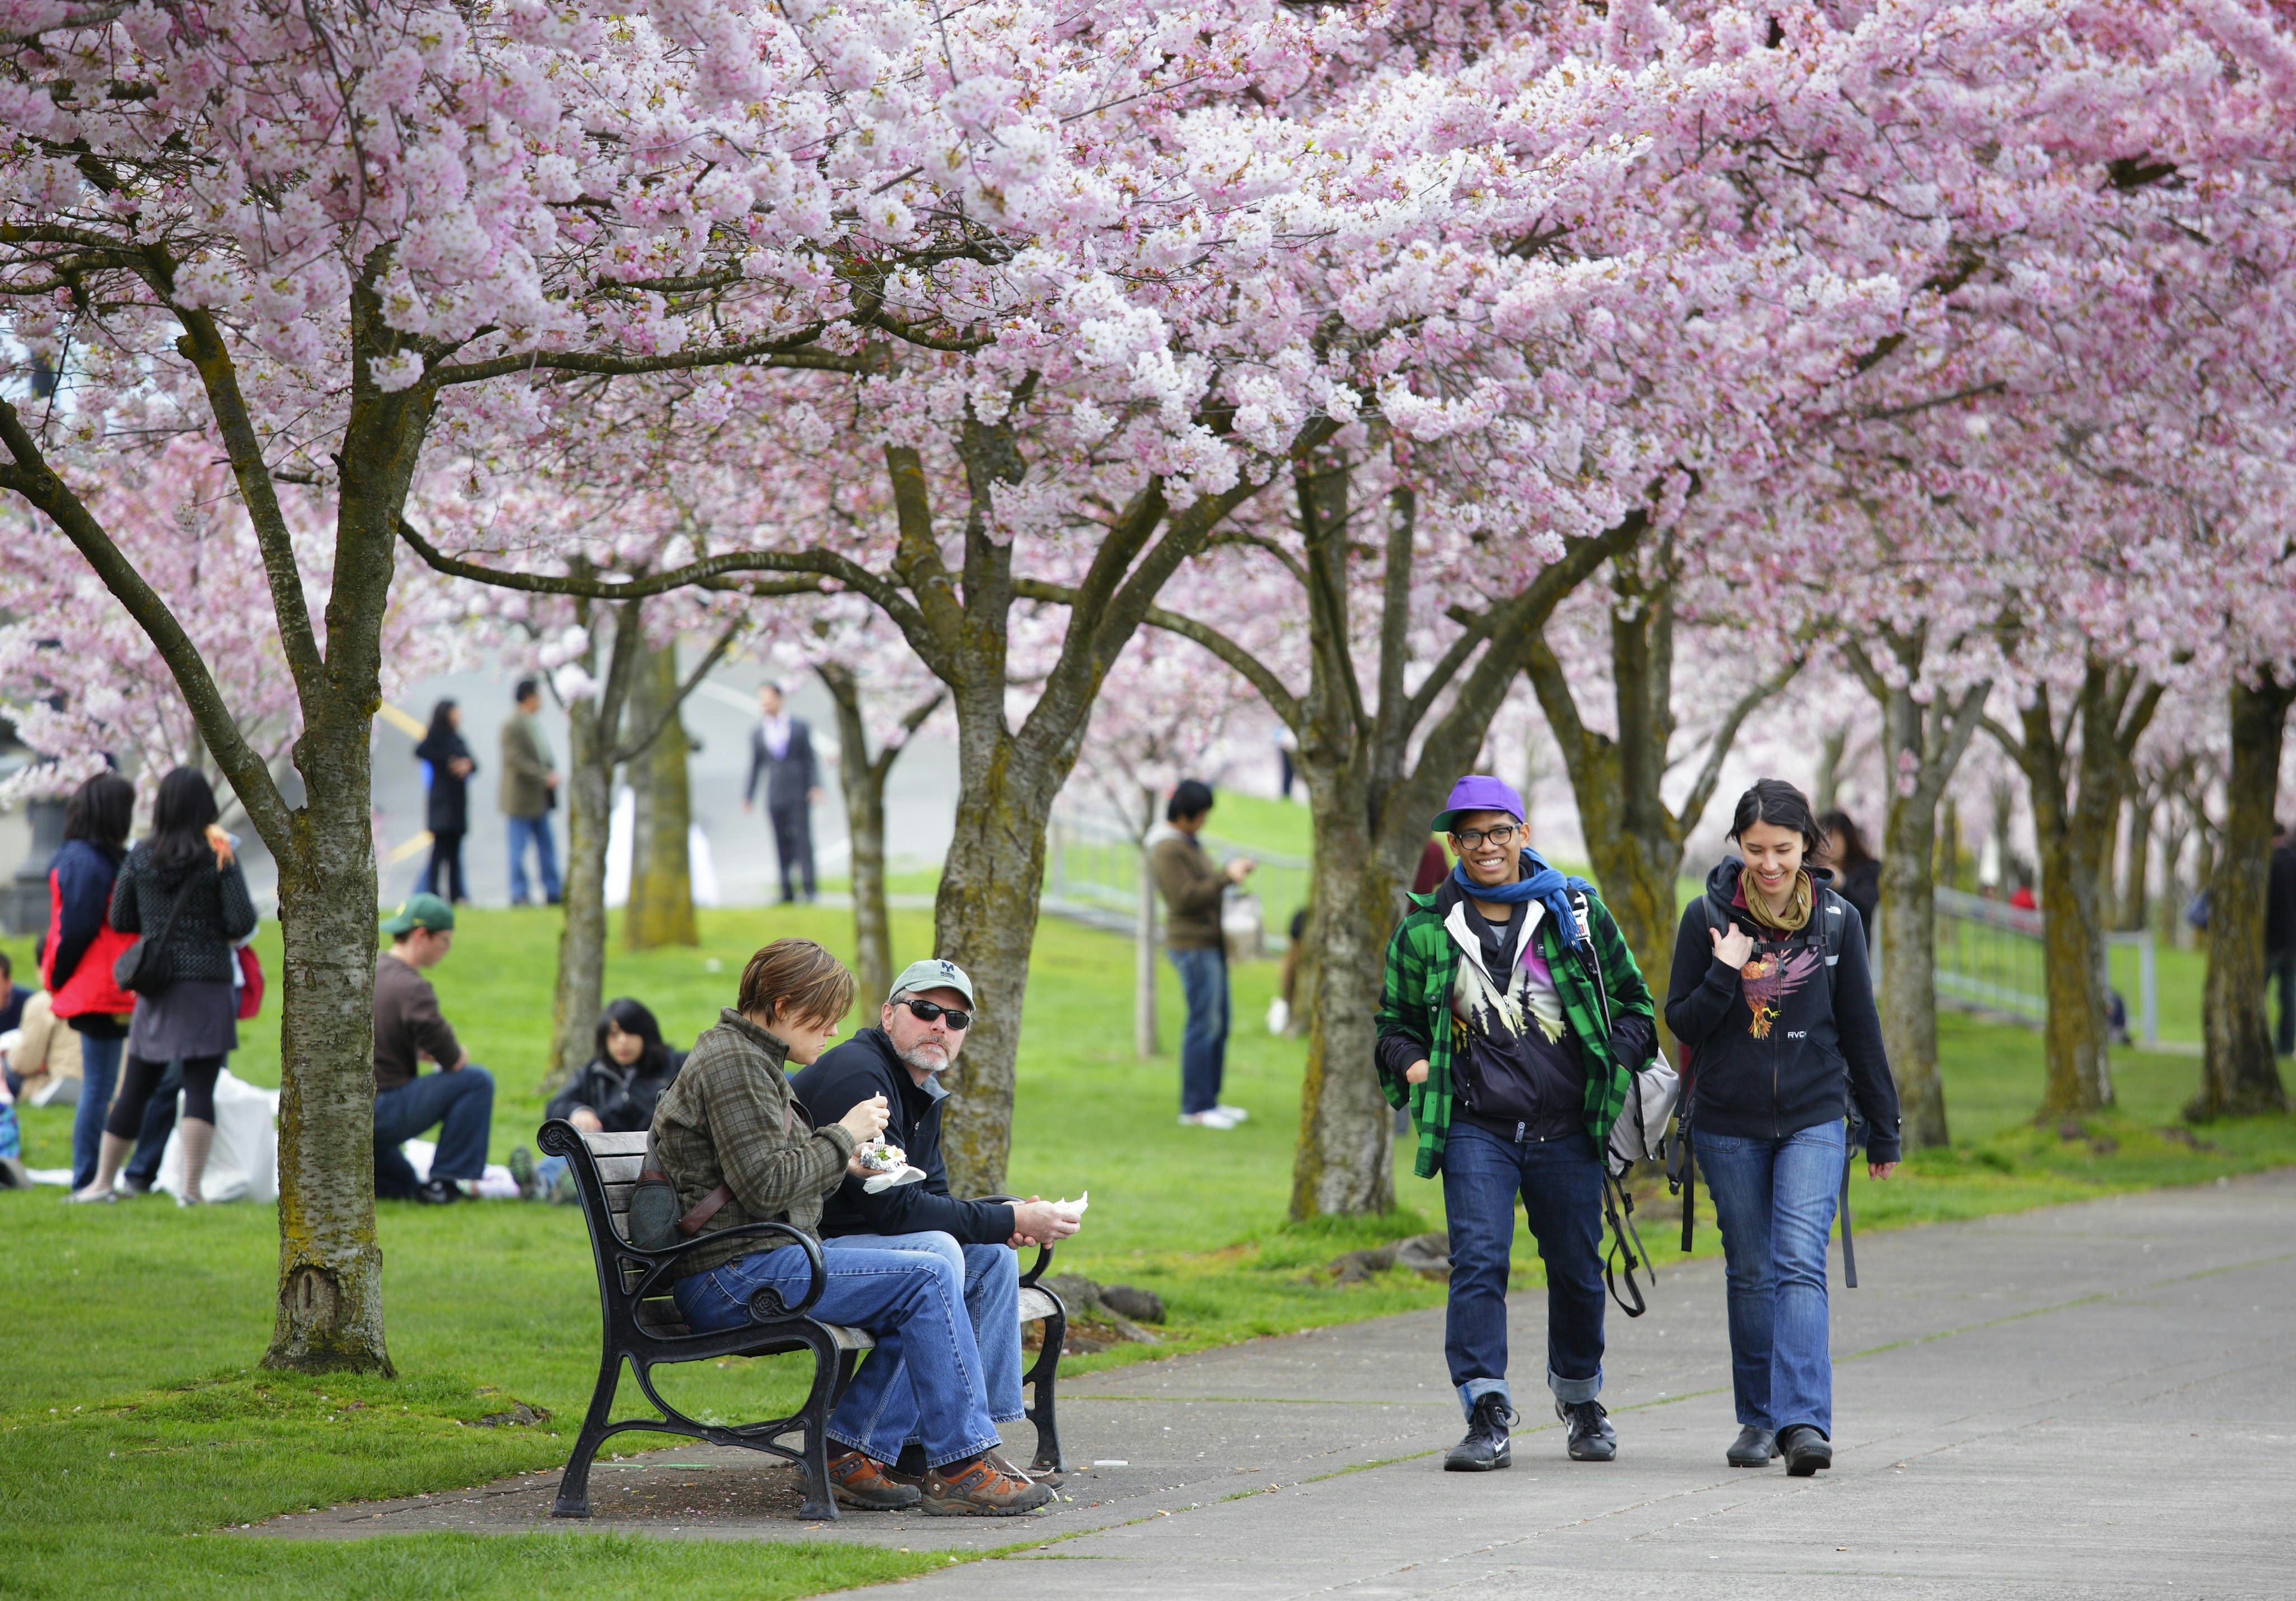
{"type": "Point", "coordinates": [1044, 1252]}
{"type": "Point", "coordinates": [661, 1261]}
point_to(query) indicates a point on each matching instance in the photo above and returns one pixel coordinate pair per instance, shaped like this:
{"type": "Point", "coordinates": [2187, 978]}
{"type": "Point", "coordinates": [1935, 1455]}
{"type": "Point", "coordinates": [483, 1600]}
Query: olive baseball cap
{"type": "Point", "coordinates": [933, 974]}
{"type": "Point", "coordinates": [420, 911]}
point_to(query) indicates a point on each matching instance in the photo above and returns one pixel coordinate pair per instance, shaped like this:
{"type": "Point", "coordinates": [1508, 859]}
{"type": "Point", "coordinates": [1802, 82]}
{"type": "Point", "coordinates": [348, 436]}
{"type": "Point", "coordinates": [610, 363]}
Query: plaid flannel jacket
{"type": "Point", "coordinates": [729, 1117]}
{"type": "Point", "coordinates": [1422, 965]}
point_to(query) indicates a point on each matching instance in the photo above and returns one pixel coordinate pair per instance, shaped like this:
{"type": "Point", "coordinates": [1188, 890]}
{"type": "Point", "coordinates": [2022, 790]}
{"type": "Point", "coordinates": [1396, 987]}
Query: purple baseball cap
{"type": "Point", "coordinates": [1478, 792]}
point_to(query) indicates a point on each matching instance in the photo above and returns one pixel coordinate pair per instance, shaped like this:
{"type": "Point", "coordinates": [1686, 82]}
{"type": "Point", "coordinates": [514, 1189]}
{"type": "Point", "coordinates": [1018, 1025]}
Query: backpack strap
{"type": "Point", "coordinates": [1625, 1243]}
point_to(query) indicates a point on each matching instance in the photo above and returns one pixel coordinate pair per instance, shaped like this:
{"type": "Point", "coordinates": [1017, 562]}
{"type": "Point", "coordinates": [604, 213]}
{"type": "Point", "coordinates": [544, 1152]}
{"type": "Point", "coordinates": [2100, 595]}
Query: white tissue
{"type": "Point", "coordinates": [1073, 1209]}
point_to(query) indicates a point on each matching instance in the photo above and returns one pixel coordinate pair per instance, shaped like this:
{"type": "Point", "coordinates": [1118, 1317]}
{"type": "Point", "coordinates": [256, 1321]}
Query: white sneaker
{"type": "Point", "coordinates": [1214, 1119]}
{"type": "Point", "coordinates": [1234, 1114]}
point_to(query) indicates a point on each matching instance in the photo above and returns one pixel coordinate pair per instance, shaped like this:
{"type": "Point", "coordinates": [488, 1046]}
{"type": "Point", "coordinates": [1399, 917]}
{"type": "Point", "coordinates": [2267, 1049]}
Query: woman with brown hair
{"type": "Point", "coordinates": [740, 1149]}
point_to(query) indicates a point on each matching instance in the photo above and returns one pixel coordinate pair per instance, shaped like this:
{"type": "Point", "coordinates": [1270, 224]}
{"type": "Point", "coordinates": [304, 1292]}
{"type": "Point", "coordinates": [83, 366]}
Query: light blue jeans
{"type": "Point", "coordinates": [912, 1300]}
{"type": "Point", "coordinates": [1774, 1200]}
{"type": "Point", "coordinates": [99, 1076]}
{"type": "Point", "coordinates": [992, 1304]}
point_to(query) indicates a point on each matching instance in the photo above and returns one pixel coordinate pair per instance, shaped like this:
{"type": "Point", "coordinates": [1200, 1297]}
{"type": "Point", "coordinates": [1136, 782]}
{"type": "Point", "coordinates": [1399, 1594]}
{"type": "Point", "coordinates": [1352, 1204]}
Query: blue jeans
{"type": "Point", "coordinates": [912, 1300]}
{"type": "Point", "coordinates": [545, 856]}
{"type": "Point", "coordinates": [992, 1304]}
{"type": "Point", "coordinates": [1775, 1199]}
{"type": "Point", "coordinates": [462, 1104]}
{"type": "Point", "coordinates": [1204, 1047]}
{"type": "Point", "coordinates": [1560, 1183]}
{"type": "Point", "coordinates": [99, 1076]}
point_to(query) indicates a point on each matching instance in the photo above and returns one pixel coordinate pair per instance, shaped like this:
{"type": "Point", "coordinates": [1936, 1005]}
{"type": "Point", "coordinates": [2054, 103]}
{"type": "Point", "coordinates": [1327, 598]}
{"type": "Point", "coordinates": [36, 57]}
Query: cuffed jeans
{"type": "Point", "coordinates": [913, 1301]}
{"type": "Point", "coordinates": [545, 857]}
{"type": "Point", "coordinates": [462, 1104]}
{"type": "Point", "coordinates": [1560, 1183]}
{"type": "Point", "coordinates": [1203, 1045]}
{"type": "Point", "coordinates": [1774, 1200]}
{"type": "Point", "coordinates": [991, 1275]}
{"type": "Point", "coordinates": [99, 1077]}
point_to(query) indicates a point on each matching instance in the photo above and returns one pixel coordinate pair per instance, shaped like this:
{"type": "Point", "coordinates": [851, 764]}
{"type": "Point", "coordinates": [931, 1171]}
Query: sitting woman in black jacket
{"type": "Point", "coordinates": [615, 1093]}
{"type": "Point", "coordinates": [1773, 1002]}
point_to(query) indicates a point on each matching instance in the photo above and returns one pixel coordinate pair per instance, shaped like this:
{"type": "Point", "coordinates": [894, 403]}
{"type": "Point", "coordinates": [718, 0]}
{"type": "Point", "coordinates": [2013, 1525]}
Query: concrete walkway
{"type": "Point", "coordinates": [2090, 1400]}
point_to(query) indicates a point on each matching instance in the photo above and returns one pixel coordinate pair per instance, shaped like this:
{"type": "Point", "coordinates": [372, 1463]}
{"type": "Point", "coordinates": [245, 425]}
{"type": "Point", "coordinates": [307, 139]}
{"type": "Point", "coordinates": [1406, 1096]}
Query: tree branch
{"type": "Point", "coordinates": [639, 747]}
{"type": "Point", "coordinates": [1717, 750]}
{"type": "Point", "coordinates": [785, 352]}
{"type": "Point", "coordinates": [1279, 700]}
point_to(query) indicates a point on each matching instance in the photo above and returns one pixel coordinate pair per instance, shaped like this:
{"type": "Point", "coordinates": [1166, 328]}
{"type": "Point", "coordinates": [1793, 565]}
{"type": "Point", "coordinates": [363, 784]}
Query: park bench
{"type": "Point", "coordinates": [643, 1328]}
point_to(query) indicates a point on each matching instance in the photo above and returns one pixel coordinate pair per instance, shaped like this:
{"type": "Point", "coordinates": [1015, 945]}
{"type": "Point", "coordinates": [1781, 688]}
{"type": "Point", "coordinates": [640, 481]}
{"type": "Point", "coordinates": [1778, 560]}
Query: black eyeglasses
{"type": "Point", "coordinates": [925, 1011]}
{"type": "Point", "coordinates": [1472, 837]}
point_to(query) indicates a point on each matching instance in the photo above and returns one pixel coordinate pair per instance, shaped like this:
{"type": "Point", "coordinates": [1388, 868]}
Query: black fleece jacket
{"type": "Point", "coordinates": [1813, 1049]}
{"type": "Point", "coordinates": [840, 1079]}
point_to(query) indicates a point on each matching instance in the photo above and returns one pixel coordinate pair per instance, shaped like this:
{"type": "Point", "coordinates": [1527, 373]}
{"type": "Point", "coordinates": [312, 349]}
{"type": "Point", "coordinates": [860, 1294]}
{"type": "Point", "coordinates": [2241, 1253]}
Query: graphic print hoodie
{"type": "Point", "coordinates": [1774, 1047]}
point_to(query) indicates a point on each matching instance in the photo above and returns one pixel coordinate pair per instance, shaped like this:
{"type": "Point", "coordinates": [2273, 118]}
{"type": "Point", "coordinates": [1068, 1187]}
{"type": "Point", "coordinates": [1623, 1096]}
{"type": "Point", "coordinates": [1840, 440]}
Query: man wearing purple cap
{"type": "Point", "coordinates": [1512, 1021]}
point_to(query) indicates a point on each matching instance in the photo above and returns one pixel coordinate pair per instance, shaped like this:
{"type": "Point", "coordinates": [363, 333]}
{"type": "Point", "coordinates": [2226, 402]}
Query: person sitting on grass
{"type": "Point", "coordinates": [921, 1028]}
{"type": "Point", "coordinates": [459, 1097]}
{"type": "Point", "coordinates": [616, 1092]}
{"type": "Point", "coordinates": [733, 1138]}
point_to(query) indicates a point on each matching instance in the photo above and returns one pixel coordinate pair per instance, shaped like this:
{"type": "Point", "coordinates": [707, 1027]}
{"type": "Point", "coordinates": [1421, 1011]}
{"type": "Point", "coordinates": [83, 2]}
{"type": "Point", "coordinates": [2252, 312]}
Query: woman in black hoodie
{"type": "Point", "coordinates": [1773, 1002]}
{"type": "Point", "coordinates": [447, 812]}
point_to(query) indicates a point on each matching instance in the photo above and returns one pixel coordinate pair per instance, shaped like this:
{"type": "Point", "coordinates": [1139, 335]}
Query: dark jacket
{"type": "Point", "coordinates": [2280, 902]}
{"type": "Point", "coordinates": [790, 779]}
{"type": "Point", "coordinates": [218, 912]}
{"type": "Point", "coordinates": [1193, 887]}
{"type": "Point", "coordinates": [841, 1079]}
{"type": "Point", "coordinates": [80, 876]}
{"type": "Point", "coordinates": [1861, 887]}
{"type": "Point", "coordinates": [1815, 1049]}
{"type": "Point", "coordinates": [448, 810]}
{"type": "Point", "coordinates": [623, 1097]}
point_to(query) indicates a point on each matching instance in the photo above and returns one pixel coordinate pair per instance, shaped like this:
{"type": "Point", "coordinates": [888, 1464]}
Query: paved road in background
{"type": "Point", "coordinates": [2094, 1400]}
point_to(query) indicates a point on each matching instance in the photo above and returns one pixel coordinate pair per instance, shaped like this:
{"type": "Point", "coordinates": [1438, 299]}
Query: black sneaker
{"type": "Point", "coordinates": [439, 1192]}
{"type": "Point", "coordinates": [1592, 1437]}
{"type": "Point", "coordinates": [1486, 1446]}
{"type": "Point", "coordinates": [1755, 1447]}
{"type": "Point", "coordinates": [1805, 1449]}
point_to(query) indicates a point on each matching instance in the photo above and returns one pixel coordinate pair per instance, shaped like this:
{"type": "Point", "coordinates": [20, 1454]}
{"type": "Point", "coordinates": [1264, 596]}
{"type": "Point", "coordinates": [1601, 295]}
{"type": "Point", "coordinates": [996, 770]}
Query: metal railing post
{"type": "Point", "coordinates": [2148, 985]}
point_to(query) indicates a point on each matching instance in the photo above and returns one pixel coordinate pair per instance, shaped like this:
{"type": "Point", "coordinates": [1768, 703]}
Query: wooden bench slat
{"type": "Point", "coordinates": [620, 1170]}
{"type": "Point", "coordinates": [616, 1145]}
{"type": "Point", "coordinates": [1035, 1305]}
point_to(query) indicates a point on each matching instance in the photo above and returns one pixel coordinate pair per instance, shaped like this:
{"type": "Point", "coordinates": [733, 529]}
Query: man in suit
{"type": "Point", "coordinates": [529, 783]}
{"type": "Point", "coordinates": [781, 753]}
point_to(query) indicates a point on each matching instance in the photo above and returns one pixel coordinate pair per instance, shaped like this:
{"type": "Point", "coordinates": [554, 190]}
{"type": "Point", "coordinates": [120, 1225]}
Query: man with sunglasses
{"type": "Point", "coordinates": [1511, 1020]}
{"type": "Point", "coordinates": [921, 1029]}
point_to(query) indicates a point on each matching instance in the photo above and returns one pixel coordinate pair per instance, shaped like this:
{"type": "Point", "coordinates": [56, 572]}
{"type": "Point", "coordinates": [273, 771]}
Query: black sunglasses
{"type": "Point", "coordinates": [925, 1011]}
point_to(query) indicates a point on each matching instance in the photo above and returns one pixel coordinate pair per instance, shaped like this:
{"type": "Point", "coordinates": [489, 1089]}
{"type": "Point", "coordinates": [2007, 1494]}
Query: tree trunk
{"type": "Point", "coordinates": [581, 988]}
{"type": "Point", "coordinates": [329, 1311]}
{"type": "Point", "coordinates": [2137, 870]}
{"type": "Point", "coordinates": [661, 911]}
{"type": "Point", "coordinates": [862, 783]}
{"type": "Point", "coordinates": [1344, 1159]}
{"type": "Point", "coordinates": [1828, 788]}
{"type": "Point", "coordinates": [2238, 1074]}
{"type": "Point", "coordinates": [1144, 939]}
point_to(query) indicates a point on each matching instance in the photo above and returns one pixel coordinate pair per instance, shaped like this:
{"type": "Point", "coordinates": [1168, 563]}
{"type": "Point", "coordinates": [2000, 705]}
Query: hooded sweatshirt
{"type": "Point", "coordinates": [1774, 1047]}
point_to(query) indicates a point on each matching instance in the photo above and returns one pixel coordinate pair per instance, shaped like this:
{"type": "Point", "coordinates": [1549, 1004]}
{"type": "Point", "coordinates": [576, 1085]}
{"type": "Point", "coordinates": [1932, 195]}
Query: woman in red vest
{"type": "Point", "coordinates": [82, 944]}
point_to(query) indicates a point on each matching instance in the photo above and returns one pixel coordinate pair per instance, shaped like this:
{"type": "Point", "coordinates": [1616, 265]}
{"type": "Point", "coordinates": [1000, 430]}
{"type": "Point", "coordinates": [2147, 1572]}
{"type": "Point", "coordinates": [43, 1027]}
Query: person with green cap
{"type": "Point", "coordinates": [459, 1098]}
{"type": "Point", "coordinates": [1510, 1022]}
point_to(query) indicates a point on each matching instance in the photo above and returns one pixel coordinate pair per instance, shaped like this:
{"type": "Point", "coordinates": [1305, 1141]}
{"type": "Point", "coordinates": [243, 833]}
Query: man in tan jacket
{"type": "Point", "coordinates": [530, 787]}
{"type": "Point", "coordinates": [1193, 889]}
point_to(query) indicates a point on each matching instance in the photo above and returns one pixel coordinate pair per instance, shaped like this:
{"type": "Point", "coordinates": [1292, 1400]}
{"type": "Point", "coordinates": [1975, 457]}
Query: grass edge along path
{"type": "Point", "coordinates": [129, 1431]}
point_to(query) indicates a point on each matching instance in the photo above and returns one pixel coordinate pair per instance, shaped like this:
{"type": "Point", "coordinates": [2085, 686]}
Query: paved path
{"type": "Point", "coordinates": [2088, 1401]}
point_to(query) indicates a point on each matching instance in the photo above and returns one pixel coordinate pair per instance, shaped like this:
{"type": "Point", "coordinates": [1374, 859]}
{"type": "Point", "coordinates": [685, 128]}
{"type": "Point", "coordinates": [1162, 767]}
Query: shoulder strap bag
{"type": "Point", "coordinates": [144, 968]}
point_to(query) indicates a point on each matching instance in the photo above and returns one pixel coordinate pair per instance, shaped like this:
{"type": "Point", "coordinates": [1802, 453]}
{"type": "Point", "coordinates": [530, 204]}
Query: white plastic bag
{"type": "Point", "coordinates": [243, 1164]}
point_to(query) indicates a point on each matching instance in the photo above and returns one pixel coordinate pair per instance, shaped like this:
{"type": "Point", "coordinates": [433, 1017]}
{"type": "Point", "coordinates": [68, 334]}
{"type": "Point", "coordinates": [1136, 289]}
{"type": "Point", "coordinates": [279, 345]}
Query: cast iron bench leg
{"type": "Point", "coordinates": [574, 1484]}
{"type": "Point", "coordinates": [820, 1501]}
{"type": "Point", "coordinates": [1047, 1369]}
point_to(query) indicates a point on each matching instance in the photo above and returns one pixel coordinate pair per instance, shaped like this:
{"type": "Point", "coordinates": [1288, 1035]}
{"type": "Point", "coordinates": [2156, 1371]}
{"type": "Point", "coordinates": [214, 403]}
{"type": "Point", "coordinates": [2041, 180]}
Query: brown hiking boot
{"type": "Point", "coordinates": [975, 1489]}
{"type": "Point", "coordinates": [861, 1482]}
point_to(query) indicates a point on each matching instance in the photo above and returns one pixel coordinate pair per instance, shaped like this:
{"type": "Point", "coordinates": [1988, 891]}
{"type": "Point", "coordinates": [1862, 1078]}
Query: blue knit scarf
{"type": "Point", "coordinates": [1549, 886]}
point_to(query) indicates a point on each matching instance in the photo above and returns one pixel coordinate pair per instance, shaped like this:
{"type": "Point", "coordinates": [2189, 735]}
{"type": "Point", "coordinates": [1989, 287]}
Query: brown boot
{"type": "Point", "coordinates": [975, 1489]}
{"type": "Point", "coordinates": [860, 1482]}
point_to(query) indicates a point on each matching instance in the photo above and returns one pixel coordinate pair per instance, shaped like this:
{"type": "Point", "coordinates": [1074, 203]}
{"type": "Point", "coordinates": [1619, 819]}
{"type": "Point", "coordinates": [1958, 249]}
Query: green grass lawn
{"type": "Point", "coordinates": [134, 1419]}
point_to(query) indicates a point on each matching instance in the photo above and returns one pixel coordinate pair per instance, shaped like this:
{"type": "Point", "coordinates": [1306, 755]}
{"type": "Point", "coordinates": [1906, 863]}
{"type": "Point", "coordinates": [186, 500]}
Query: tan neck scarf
{"type": "Point", "coordinates": [1797, 912]}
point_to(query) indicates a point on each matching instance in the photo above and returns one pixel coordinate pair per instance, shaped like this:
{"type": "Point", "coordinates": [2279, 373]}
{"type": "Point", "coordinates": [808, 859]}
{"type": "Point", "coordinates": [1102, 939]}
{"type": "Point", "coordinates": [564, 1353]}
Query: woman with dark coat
{"type": "Point", "coordinates": [1773, 1002]}
{"type": "Point", "coordinates": [186, 869]}
{"type": "Point", "coordinates": [1856, 875]}
{"type": "Point", "coordinates": [81, 948]}
{"type": "Point", "coordinates": [615, 1093]}
{"type": "Point", "coordinates": [447, 813]}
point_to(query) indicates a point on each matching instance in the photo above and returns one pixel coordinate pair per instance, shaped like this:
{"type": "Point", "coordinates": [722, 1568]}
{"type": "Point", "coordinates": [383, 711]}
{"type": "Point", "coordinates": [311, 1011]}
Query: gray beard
{"type": "Point", "coordinates": [917, 1059]}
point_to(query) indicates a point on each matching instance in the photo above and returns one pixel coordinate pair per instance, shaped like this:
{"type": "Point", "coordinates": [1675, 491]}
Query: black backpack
{"type": "Point", "coordinates": [1828, 909]}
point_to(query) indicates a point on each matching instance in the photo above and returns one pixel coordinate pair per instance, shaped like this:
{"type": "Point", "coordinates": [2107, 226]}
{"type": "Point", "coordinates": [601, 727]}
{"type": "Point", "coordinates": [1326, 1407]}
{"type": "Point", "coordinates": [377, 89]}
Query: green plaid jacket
{"type": "Point", "coordinates": [1422, 965]}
